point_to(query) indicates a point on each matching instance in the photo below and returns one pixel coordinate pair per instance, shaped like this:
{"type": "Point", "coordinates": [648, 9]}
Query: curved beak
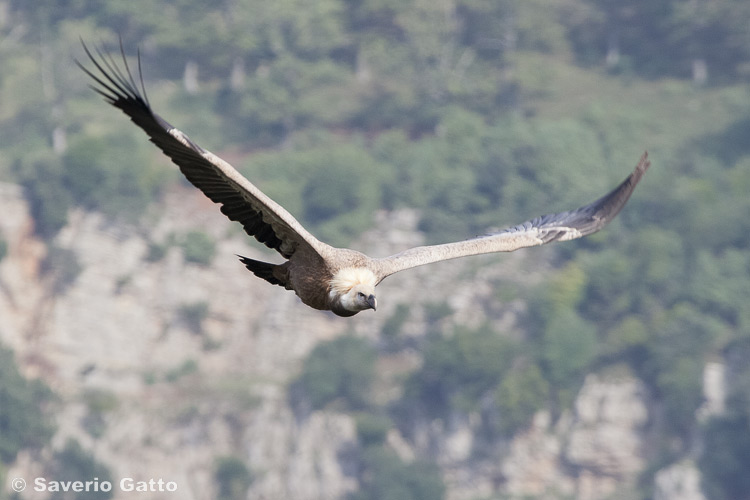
{"type": "Point", "coordinates": [373, 302]}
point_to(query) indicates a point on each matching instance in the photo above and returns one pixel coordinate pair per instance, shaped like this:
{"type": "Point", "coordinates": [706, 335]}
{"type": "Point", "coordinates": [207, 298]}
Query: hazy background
{"type": "Point", "coordinates": [456, 115]}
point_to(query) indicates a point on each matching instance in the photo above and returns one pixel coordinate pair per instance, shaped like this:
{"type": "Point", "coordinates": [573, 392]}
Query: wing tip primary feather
{"type": "Point", "coordinates": [592, 217]}
{"type": "Point", "coordinates": [614, 201]}
{"type": "Point", "coordinates": [116, 85]}
{"type": "Point", "coordinates": [589, 218]}
{"type": "Point", "coordinates": [643, 164]}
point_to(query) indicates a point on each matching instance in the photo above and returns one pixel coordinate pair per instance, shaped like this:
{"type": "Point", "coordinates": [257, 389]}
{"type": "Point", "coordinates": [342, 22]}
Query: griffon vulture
{"type": "Point", "coordinates": [324, 277]}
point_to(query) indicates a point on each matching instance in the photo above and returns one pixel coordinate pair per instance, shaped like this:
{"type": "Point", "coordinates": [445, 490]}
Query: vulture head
{"type": "Point", "coordinates": [353, 289]}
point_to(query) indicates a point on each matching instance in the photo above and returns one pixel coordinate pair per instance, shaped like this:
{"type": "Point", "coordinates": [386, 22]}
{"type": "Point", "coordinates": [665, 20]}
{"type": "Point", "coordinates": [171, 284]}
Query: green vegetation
{"type": "Point", "coordinates": [198, 248]}
{"type": "Point", "coordinates": [725, 457]}
{"type": "Point", "coordinates": [726, 451]}
{"type": "Point", "coordinates": [187, 367]}
{"type": "Point", "coordinates": [458, 370]}
{"type": "Point", "coordinates": [109, 174]}
{"type": "Point", "coordinates": [385, 476]}
{"type": "Point", "coordinates": [73, 463]}
{"type": "Point", "coordinates": [383, 73]}
{"type": "Point", "coordinates": [518, 396]}
{"type": "Point", "coordinates": [479, 114]}
{"type": "Point", "coordinates": [112, 174]}
{"type": "Point", "coordinates": [193, 315]}
{"type": "Point", "coordinates": [337, 187]}
{"type": "Point", "coordinates": [232, 478]}
{"type": "Point", "coordinates": [63, 266]}
{"type": "Point", "coordinates": [156, 251]}
{"type": "Point", "coordinates": [392, 326]}
{"type": "Point", "coordinates": [42, 180]}
{"type": "Point", "coordinates": [372, 428]}
{"type": "Point", "coordinates": [99, 403]}
{"type": "Point", "coordinates": [339, 370]}
{"type": "Point", "coordinates": [25, 419]}
{"type": "Point", "coordinates": [477, 371]}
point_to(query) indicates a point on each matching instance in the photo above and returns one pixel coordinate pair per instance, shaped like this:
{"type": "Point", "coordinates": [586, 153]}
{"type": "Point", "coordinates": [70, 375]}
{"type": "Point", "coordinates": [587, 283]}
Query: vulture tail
{"type": "Point", "coordinates": [263, 270]}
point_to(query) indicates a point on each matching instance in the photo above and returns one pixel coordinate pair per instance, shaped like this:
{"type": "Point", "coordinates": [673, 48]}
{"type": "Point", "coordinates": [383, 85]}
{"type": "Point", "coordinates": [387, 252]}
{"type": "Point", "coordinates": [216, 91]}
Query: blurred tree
{"type": "Point", "coordinates": [676, 354]}
{"type": "Point", "coordinates": [49, 204]}
{"type": "Point", "coordinates": [738, 374]}
{"type": "Point", "coordinates": [520, 394]}
{"type": "Point", "coordinates": [341, 369]}
{"type": "Point", "coordinates": [621, 34]}
{"type": "Point", "coordinates": [568, 346]}
{"type": "Point", "coordinates": [193, 315]}
{"type": "Point", "coordinates": [726, 457]}
{"type": "Point", "coordinates": [337, 188]}
{"type": "Point", "coordinates": [392, 326]}
{"type": "Point", "coordinates": [99, 403]}
{"type": "Point", "coordinates": [24, 405]}
{"type": "Point", "coordinates": [63, 266]}
{"type": "Point", "coordinates": [626, 338]}
{"type": "Point", "coordinates": [73, 463]}
{"type": "Point", "coordinates": [372, 428]}
{"type": "Point", "coordinates": [720, 284]}
{"type": "Point", "coordinates": [458, 370]}
{"type": "Point", "coordinates": [198, 248]}
{"type": "Point", "coordinates": [232, 477]}
{"type": "Point", "coordinates": [112, 174]}
{"type": "Point", "coordinates": [610, 280]}
{"type": "Point", "coordinates": [711, 36]}
{"type": "Point", "coordinates": [386, 477]}
{"type": "Point", "coordinates": [290, 94]}
{"type": "Point", "coordinates": [695, 35]}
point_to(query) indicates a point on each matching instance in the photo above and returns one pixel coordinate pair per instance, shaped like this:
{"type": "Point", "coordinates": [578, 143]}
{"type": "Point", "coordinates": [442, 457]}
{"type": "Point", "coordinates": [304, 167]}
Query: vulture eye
{"type": "Point", "coordinates": [361, 295]}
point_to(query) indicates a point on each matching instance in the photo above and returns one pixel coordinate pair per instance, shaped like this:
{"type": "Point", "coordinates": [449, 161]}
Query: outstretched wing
{"type": "Point", "coordinates": [240, 200]}
{"type": "Point", "coordinates": [545, 229]}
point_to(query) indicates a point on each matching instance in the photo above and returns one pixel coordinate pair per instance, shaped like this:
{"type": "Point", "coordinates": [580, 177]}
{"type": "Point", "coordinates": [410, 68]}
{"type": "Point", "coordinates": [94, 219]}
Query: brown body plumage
{"type": "Point", "coordinates": [324, 277]}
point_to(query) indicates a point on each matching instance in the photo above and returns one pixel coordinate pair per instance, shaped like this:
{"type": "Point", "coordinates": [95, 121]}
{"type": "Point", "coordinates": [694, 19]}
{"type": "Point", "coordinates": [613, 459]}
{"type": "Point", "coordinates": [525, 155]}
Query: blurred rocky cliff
{"type": "Point", "coordinates": [163, 364]}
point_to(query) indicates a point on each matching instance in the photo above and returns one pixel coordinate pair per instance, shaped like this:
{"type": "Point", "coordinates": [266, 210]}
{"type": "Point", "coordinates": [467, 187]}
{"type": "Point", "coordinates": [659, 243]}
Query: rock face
{"type": "Point", "coordinates": [21, 290]}
{"type": "Point", "coordinates": [594, 452]}
{"type": "Point", "coordinates": [681, 481]}
{"type": "Point", "coordinates": [182, 398]}
{"type": "Point", "coordinates": [606, 438]}
{"type": "Point", "coordinates": [184, 392]}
